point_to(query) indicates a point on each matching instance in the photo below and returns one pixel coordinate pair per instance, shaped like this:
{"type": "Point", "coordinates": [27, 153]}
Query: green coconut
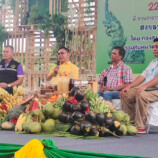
{"type": "Point", "coordinates": [35, 113]}
{"type": "Point", "coordinates": [122, 130]}
{"type": "Point", "coordinates": [48, 125]}
{"type": "Point", "coordinates": [42, 117]}
{"type": "Point", "coordinates": [126, 118]}
{"type": "Point", "coordinates": [131, 130]}
{"type": "Point", "coordinates": [26, 124]}
{"type": "Point", "coordinates": [35, 127]}
{"type": "Point", "coordinates": [118, 115]}
{"type": "Point", "coordinates": [48, 109]}
{"type": "Point", "coordinates": [56, 112]}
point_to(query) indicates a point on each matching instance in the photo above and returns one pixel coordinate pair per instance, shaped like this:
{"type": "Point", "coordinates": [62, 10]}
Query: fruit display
{"type": "Point", "coordinates": [93, 116]}
{"type": "Point", "coordinates": [82, 113]}
{"type": "Point", "coordinates": [9, 100]}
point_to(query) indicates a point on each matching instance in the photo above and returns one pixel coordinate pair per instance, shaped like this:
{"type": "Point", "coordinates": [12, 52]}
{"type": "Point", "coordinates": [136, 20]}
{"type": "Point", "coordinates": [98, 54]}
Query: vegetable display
{"type": "Point", "coordinates": [84, 113]}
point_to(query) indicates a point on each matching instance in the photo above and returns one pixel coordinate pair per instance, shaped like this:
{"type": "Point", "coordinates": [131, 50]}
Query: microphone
{"type": "Point", "coordinates": [105, 81]}
{"type": "Point", "coordinates": [55, 72]}
{"type": "Point", "coordinates": [58, 63]}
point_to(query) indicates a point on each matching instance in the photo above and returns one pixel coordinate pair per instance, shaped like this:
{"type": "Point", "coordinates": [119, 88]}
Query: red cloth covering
{"type": "Point", "coordinates": [3, 106]}
{"type": "Point", "coordinates": [73, 100]}
{"type": "Point", "coordinates": [14, 121]}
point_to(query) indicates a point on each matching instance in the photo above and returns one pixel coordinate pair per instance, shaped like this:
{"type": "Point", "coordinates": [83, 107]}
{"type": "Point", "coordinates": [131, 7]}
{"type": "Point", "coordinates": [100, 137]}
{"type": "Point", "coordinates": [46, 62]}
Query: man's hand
{"type": "Point", "coordinates": [124, 91]}
{"type": "Point", "coordinates": [140, 89]}
{"type": "Point", "coordinates": [3, 85]}
{"type": "Point", "coordinates": [56, 70]}
{"type": "Point", "coordinates": [103, 89]}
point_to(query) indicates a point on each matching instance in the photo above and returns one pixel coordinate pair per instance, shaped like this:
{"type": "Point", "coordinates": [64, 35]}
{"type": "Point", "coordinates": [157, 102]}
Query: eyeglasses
{"type": "Point", "coordinates": [156, 46]}
{"type": "Point", "coordinates": [61, 53]}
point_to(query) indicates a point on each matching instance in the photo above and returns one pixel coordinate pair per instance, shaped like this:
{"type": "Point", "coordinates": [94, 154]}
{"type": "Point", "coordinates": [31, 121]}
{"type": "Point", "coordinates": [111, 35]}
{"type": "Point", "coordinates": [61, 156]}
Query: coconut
{"type": "Point", "coordinates": [94, 132]}
{"type": "Point", "coordinates": [122, 130]}
{"type": "Point", "coordinates": [48, 109]}
{"type": "Point", "coordinates": [48, 125]}
{"type": "Point", "coordinates": [35, 113]}
{"type": "Point", "coordinates": [131, 130]}
{"type": "Point", "coordinates": [66, 106]}
{"type": "Point", "coordinates": [42, 117]}
{"type": "Point", "coordinates": [126, 118]}
{"type": "Point", "coordinates": [79, 96]}
{"type": "Point", "coordinates": [76, 129]}
{"type": "Point", "coordinates": [78, 116]}
{"type": "Point", "coordinates": [84, 105]}
{"type": "Point", "coordinates": [100, 119]}
{"type": "Point", "coordinates": [115, 126]}
{"type": "Point", "coordinates": [109, 121]}
{"type": "Point", "coordinates": [91, 117]}
{"type": "Point", "coordinates": [35, 127]}
{"type": "Point", "coordinates": [118, 115]}
{"type": "Point", "coordinates": [63, 117]}
{"type": "Point", "coordinates": [73, 91]}
{"type": "Point", "coordinates": [69, 118]}
{"type": "Point", "coordinates": [56, 113]}
{"type": "Point", "coordinates": [75, 107]}
{"type": "Point", "coordinates": [85, 127]}
{"type": "Point", "coordinates": [26, 124]}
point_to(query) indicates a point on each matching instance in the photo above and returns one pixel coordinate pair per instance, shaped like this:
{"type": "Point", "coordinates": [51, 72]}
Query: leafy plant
{"type": "Point", "coordinates": [88, 9]}
{"type": "Point", "coordinates": [12, 4]}
{"type": "Point", "coordinates": [3, 37]}
{"type": "Point", "coordinates": [35, 16]}
{"type": "Point", "coordinates": [59, 23]}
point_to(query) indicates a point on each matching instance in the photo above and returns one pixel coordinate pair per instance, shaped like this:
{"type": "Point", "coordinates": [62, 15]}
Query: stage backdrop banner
{"type": "Point", "coordinates": [132, 24]}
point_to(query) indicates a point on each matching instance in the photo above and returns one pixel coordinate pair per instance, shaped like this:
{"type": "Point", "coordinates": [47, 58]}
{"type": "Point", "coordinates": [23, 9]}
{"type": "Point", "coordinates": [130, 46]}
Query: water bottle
{"type": "Point", "coordinates": [60, 85]}
{"type": "Point", "coordinates": [71, 82]}
{"type": "Point", "coordinates": [66, 84]}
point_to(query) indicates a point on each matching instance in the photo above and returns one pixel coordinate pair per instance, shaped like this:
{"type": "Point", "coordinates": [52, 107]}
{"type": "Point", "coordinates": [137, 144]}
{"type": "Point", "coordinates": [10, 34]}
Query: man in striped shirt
{"type": "Point", "coordinates": [116, 77]}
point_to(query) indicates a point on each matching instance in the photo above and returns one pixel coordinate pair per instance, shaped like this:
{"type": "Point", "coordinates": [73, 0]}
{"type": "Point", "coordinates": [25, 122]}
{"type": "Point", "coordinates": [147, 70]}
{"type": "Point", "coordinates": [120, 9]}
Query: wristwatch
{"type": "Point", "coordinates": [9, 85]}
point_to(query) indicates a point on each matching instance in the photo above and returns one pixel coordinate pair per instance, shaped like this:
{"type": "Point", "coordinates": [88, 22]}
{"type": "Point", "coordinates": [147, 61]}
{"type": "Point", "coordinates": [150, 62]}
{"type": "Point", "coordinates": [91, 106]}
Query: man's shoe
{"type": "Point", "coordinates": [142, 131]}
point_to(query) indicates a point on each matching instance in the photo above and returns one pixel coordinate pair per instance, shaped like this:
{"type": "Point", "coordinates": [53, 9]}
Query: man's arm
{"type": "Point", "coordinates": [149, 84]}
{"type": "Point", "coordinates": [53, 72]}
{"type": "Point", "coordinates": [18, 82]}
{"type": "Point", "coordinates": [50, 77]}
{"type": "Point", "coordinates": [140, 79]}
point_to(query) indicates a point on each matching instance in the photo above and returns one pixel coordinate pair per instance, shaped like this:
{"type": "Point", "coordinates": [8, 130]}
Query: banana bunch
{"type": "Point", "coordinates": [10, 101]}
{"type": "Point", "coordinates": [98, 106]}
{"type": "Point", "coordinates": [2, 112]}
{"type": "Point", "coordinates": [20, 122]}
{"type": "Point", "coordinates": [3, 92]}
{"type": "Point", "coordinates": [18, 100]}
{"type": "Point", "coordinates": [109, 104]}
{"type": "Point", "coordinates": [91, 95]}
{"type": "Point", "coordinates": [19, 91]}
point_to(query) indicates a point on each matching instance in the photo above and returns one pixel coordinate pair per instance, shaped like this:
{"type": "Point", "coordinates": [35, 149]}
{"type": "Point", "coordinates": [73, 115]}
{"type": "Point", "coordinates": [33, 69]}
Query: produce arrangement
{"type": "Point", "coordinates": [83, 113]}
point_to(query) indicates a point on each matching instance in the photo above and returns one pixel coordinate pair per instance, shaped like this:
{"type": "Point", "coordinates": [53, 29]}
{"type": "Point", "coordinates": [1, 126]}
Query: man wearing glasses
{"type": "Point", "coordinates": [135, 101]}
{"type": "Point", "coordinates": [65, 67]}
{"type": "Point", "coordinates": [11, 72]}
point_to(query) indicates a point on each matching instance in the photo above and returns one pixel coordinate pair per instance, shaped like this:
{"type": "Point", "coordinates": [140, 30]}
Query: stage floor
{"type": "Point", "coordinates": [141, 145]}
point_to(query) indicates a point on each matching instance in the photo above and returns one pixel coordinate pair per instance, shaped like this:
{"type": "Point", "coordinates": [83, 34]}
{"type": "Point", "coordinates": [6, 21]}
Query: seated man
{"type": "Point", "coordinates": [116, 77]}
{"type": "Point", "coordinates": [65, 67]}
{"type": "Point", "coordinates": [135, 102]}
{"type": "Point", "coordinates": [11, 72]}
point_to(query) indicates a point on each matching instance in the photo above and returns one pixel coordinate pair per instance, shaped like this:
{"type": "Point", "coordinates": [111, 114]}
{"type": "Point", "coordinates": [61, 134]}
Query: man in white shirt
{"type": "Point", "coordinates": [135, 101]}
